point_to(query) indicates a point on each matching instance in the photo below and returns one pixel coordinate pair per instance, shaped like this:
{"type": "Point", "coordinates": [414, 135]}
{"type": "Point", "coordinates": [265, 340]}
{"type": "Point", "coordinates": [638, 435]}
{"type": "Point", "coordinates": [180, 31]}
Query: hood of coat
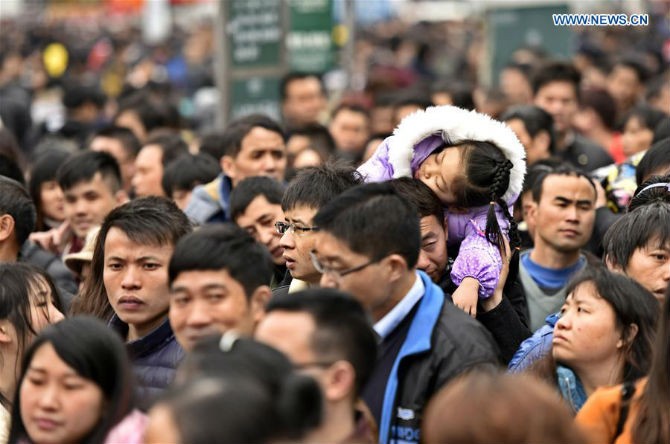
{"type": "Point", "coordinates": [454, 125]}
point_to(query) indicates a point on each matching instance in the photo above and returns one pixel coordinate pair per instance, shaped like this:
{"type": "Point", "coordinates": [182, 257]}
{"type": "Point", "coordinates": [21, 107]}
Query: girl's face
{"type": "Point", "coordinates": [636, 137]}
{"type": "Point", "coordinates": [440, 171]}
{"type": "Point", "coordinates": [587, 332]}
{"type": "Point", "coordinates": [42, 308]}
{"type": "Point", "coordinates": [57, 404]}
{"type": "Point", "coordinates": [53, 201]}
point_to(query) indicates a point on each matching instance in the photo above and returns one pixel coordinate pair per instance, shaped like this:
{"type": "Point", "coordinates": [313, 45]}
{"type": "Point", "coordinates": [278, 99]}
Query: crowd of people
{"type": "Point", "coordinates": [416, 261]}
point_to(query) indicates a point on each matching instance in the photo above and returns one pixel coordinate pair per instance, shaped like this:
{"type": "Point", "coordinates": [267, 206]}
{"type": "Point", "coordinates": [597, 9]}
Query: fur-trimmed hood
{"type": "Point", "coordinates": [454, 125]}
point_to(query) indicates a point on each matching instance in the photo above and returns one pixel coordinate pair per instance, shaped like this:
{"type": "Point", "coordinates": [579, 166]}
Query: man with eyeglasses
{"type": "Point", "coordinates": [327, 335]}
{"type": "Point", "coordinates": [310, 190]}
{"type": "Point", "coordinates": [368, 245]}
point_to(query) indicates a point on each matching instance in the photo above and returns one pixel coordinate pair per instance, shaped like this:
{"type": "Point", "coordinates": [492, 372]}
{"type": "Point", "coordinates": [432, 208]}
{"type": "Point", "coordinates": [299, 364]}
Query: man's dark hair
{"type": "Point", "coordinates": [534, 119]}
{"type": "Point", "coordinates": [223, 247]}
{"type": "Point", "coordinates": [657, 157]}
{"type": "Point", "coordinates": [374, 221]}
{"type": "Point", "coordinates": [10, 168]}
{"type": "Point", "coordinates": [648, 116]}
{"type": "Point", "coordinates": [600, 101]}
{"type": "Point", "coordinates": [82, 167]}
{"type": "Point", "coordinates": [556, 72]}
{"type": "Point", "coordinates": [76, 95]}
{"type": "Point", "coordinates": [252, 187]}
{"type": "Point", "coordinates": [319, 137]}
{"type": "Point", "coordinates": [459, 91]}
{"type": "Point", "coordinates": [291, 77]}
{"type": "Point", "coordinates": [315, 186]}
{"type": "Point", "coordinates": [635, 64]}
{"type": "Point", "coordinates": [342, 328]}
{"type": "Point", "coordinates": [15, 201]}
{"type": "Point", "coordinates": [350, 107]}
{"type": "Point", "coordinates": [189, 170]}
{"type": "Point", "coordinates": [229, 142]}
{"type": "Point", "coordinates": [148, 220]}
{"type": "Point", "coordinates": [563, 170]}
{"type": "Point", "coordinates": [420, 195]}
{"type": "Point", "coordinates": [170, 143]}
{"type": "Point", "coordinates": [129, 142]}
{"type": "Point", "coordinates": [635, 230]}
{"type": "Point", "coordinates": [153, 112]}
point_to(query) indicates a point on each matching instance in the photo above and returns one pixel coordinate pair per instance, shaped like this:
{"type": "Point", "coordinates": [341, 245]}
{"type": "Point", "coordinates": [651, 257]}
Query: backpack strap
{"type": "Point", "coordinates": [627, 392]}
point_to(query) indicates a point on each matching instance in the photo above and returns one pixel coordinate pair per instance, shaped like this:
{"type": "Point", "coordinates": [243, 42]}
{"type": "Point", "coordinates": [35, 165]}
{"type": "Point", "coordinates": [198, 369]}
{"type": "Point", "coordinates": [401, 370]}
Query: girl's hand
{"type": "Point", "coordinates": [466, 296]}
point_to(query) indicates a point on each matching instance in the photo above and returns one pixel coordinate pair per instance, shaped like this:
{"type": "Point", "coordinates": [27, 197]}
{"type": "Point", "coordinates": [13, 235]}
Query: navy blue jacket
{"type": "Point", "coordinates": [155, 358]}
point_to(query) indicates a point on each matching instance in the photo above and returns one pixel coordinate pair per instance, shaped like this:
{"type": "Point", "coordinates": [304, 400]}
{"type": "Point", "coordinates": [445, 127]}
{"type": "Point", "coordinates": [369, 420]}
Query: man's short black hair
{"type": "Point", "coordinates": [342, 328]}
{"type": "Point", "coordinates": [562, 170]}
{"type": "Point", "coordinates": [129, 142]}
{"type": "Point", "coordinates": [229, 142]}
{"type": "Point", "coordinates": [373, 220]}
{"type": "Point", "coordinates": [657, 157]}
{"type": "Point", "coordinates": [252, 187]}
{"type": "Point", "coordinates": [189, 170]}
{"type": "Point", "coordinates": [224, 247]}
{"type": "Point", "coordinates": [635, 64]}
{"type": "Point", "coordinates": [82, 167]}
{"type": "Point", "coordinates": [315, 186]}
{"type": "Point", "coordinates": [170, 143]}
{"type": "Point", "coordinates": [15, 201]}
{"type": "Point", "coordinates": [10, 168]}
{"type": "Point", "coordinates": [293, 76]}
{"type": "Point", "coordinates": [421, 196]}
{"type": "Point", "coordinates": [350, 107]}
{"type": "Point", "coordinates": [636, 229]}
{"type": "Point", "coordinates": [534, 119]}
{"type": "Point", "coordinates": [556, 72]}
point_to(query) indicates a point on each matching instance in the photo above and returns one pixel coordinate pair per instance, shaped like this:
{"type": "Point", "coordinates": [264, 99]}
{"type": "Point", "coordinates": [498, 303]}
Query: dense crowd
{"type": "Point", "coordinates": [419, 258]}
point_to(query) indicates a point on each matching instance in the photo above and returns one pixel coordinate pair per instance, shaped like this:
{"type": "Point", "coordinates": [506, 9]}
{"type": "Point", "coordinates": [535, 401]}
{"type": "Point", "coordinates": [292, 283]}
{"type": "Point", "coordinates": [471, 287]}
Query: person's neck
{"type": "Point", "coordinates": [399, 290]}
{"type": "Point", "coordinates": [8, 253]}
{"type": "Point", "coordinates": [338, 423]}
{"type": "Point", "coordinates": [7, 381]}
{"type": "Point", "coordinates": [602, 374]}
{"type": "Point", "coordinates": [601, 135]}
{"type": "Point", "coordinates": [547, 257]}
{"type": "Point", "coordinates": [563, 138]}
{"type": "Point", "coordinates": [136, 332]}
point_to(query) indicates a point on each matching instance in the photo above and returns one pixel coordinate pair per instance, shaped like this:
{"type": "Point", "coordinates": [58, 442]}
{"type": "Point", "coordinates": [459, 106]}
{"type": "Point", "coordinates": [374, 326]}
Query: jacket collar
{"type": "Point", "coordinates": [146, 345]}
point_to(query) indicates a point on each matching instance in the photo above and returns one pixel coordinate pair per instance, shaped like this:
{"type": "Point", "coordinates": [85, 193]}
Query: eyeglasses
{"type": "Point", "coordinates": [285, 227]}
{"type": "Point", "coordinates": [337, 274]}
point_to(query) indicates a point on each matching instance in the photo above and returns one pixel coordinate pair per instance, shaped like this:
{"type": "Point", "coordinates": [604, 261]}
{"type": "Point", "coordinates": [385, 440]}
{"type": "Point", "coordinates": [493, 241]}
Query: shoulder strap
{"type": "Point", "coordinates": [627, 392]}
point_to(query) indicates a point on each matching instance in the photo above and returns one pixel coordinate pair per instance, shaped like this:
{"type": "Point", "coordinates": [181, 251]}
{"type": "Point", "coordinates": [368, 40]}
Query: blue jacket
{"type": "Point", "coordinates": [535, 347]}
{"type": "Point", "coordinates": [154, 357]}
{"type": "Point", "coordinates": [210, 202]}
{"type": "Point", "coordinates": [442, 342]}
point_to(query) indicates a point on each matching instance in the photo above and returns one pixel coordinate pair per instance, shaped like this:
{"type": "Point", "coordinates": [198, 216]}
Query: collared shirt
{"type": "Point", "coordinates": [389, 322]}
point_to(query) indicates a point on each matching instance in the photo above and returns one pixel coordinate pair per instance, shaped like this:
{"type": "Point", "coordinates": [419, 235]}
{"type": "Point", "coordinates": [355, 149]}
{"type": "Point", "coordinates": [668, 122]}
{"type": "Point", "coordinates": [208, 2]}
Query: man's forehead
{"type": "Point", "coordinates": [96, 183]}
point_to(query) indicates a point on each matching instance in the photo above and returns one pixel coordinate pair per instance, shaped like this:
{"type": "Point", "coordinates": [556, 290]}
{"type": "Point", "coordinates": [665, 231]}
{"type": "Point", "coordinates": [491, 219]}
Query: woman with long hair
{"type": "Point", "coordinates": [635, 413]}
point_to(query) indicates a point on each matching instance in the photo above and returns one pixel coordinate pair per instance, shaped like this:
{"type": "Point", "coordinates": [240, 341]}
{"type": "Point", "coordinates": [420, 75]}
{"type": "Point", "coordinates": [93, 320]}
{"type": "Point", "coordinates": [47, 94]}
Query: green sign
{"type": "Point", "coordinates": [309, 41]}
{"type": "Point", "coordinates": [256, 94]}
{"type": "Point", "coordinates": [254, 32]}
{"type": "Point", "coordinates": [512, 28]}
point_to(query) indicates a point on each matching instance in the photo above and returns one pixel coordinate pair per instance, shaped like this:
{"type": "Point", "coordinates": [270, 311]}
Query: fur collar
{"type": "Point", "coordinates": [454, 125]}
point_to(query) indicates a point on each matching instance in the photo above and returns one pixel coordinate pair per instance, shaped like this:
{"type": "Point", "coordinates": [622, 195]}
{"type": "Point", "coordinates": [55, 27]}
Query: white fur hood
{"type": "Point", "coordinates": [454, 125]}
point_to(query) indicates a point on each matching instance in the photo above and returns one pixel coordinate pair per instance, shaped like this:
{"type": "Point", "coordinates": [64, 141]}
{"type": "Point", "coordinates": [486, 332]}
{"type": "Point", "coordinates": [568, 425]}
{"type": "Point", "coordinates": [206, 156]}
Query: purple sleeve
{"type": "Point", "coordinates": [378, 168]}
{"type": "Point", "coordinates": [479, 259]}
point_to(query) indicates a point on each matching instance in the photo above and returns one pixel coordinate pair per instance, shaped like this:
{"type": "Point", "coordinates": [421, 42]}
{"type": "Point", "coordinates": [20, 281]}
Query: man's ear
{"type": "Point", "coordinates": [609, 263]}
{"type": "Point", "coordinates": [397, 265]}
{"type": "Point", "coordinates": [6, 227]}
{"type": "Point", "coordinates": [445, 226]}
{"type": "Point", "coordinates": [258, 301]}
{"type": "Point", "coordinates": [340, 381]}
{"type": "Point", "coordinates": [530, 213]}
{"type": "Point", "coordinates": [228, 166]}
